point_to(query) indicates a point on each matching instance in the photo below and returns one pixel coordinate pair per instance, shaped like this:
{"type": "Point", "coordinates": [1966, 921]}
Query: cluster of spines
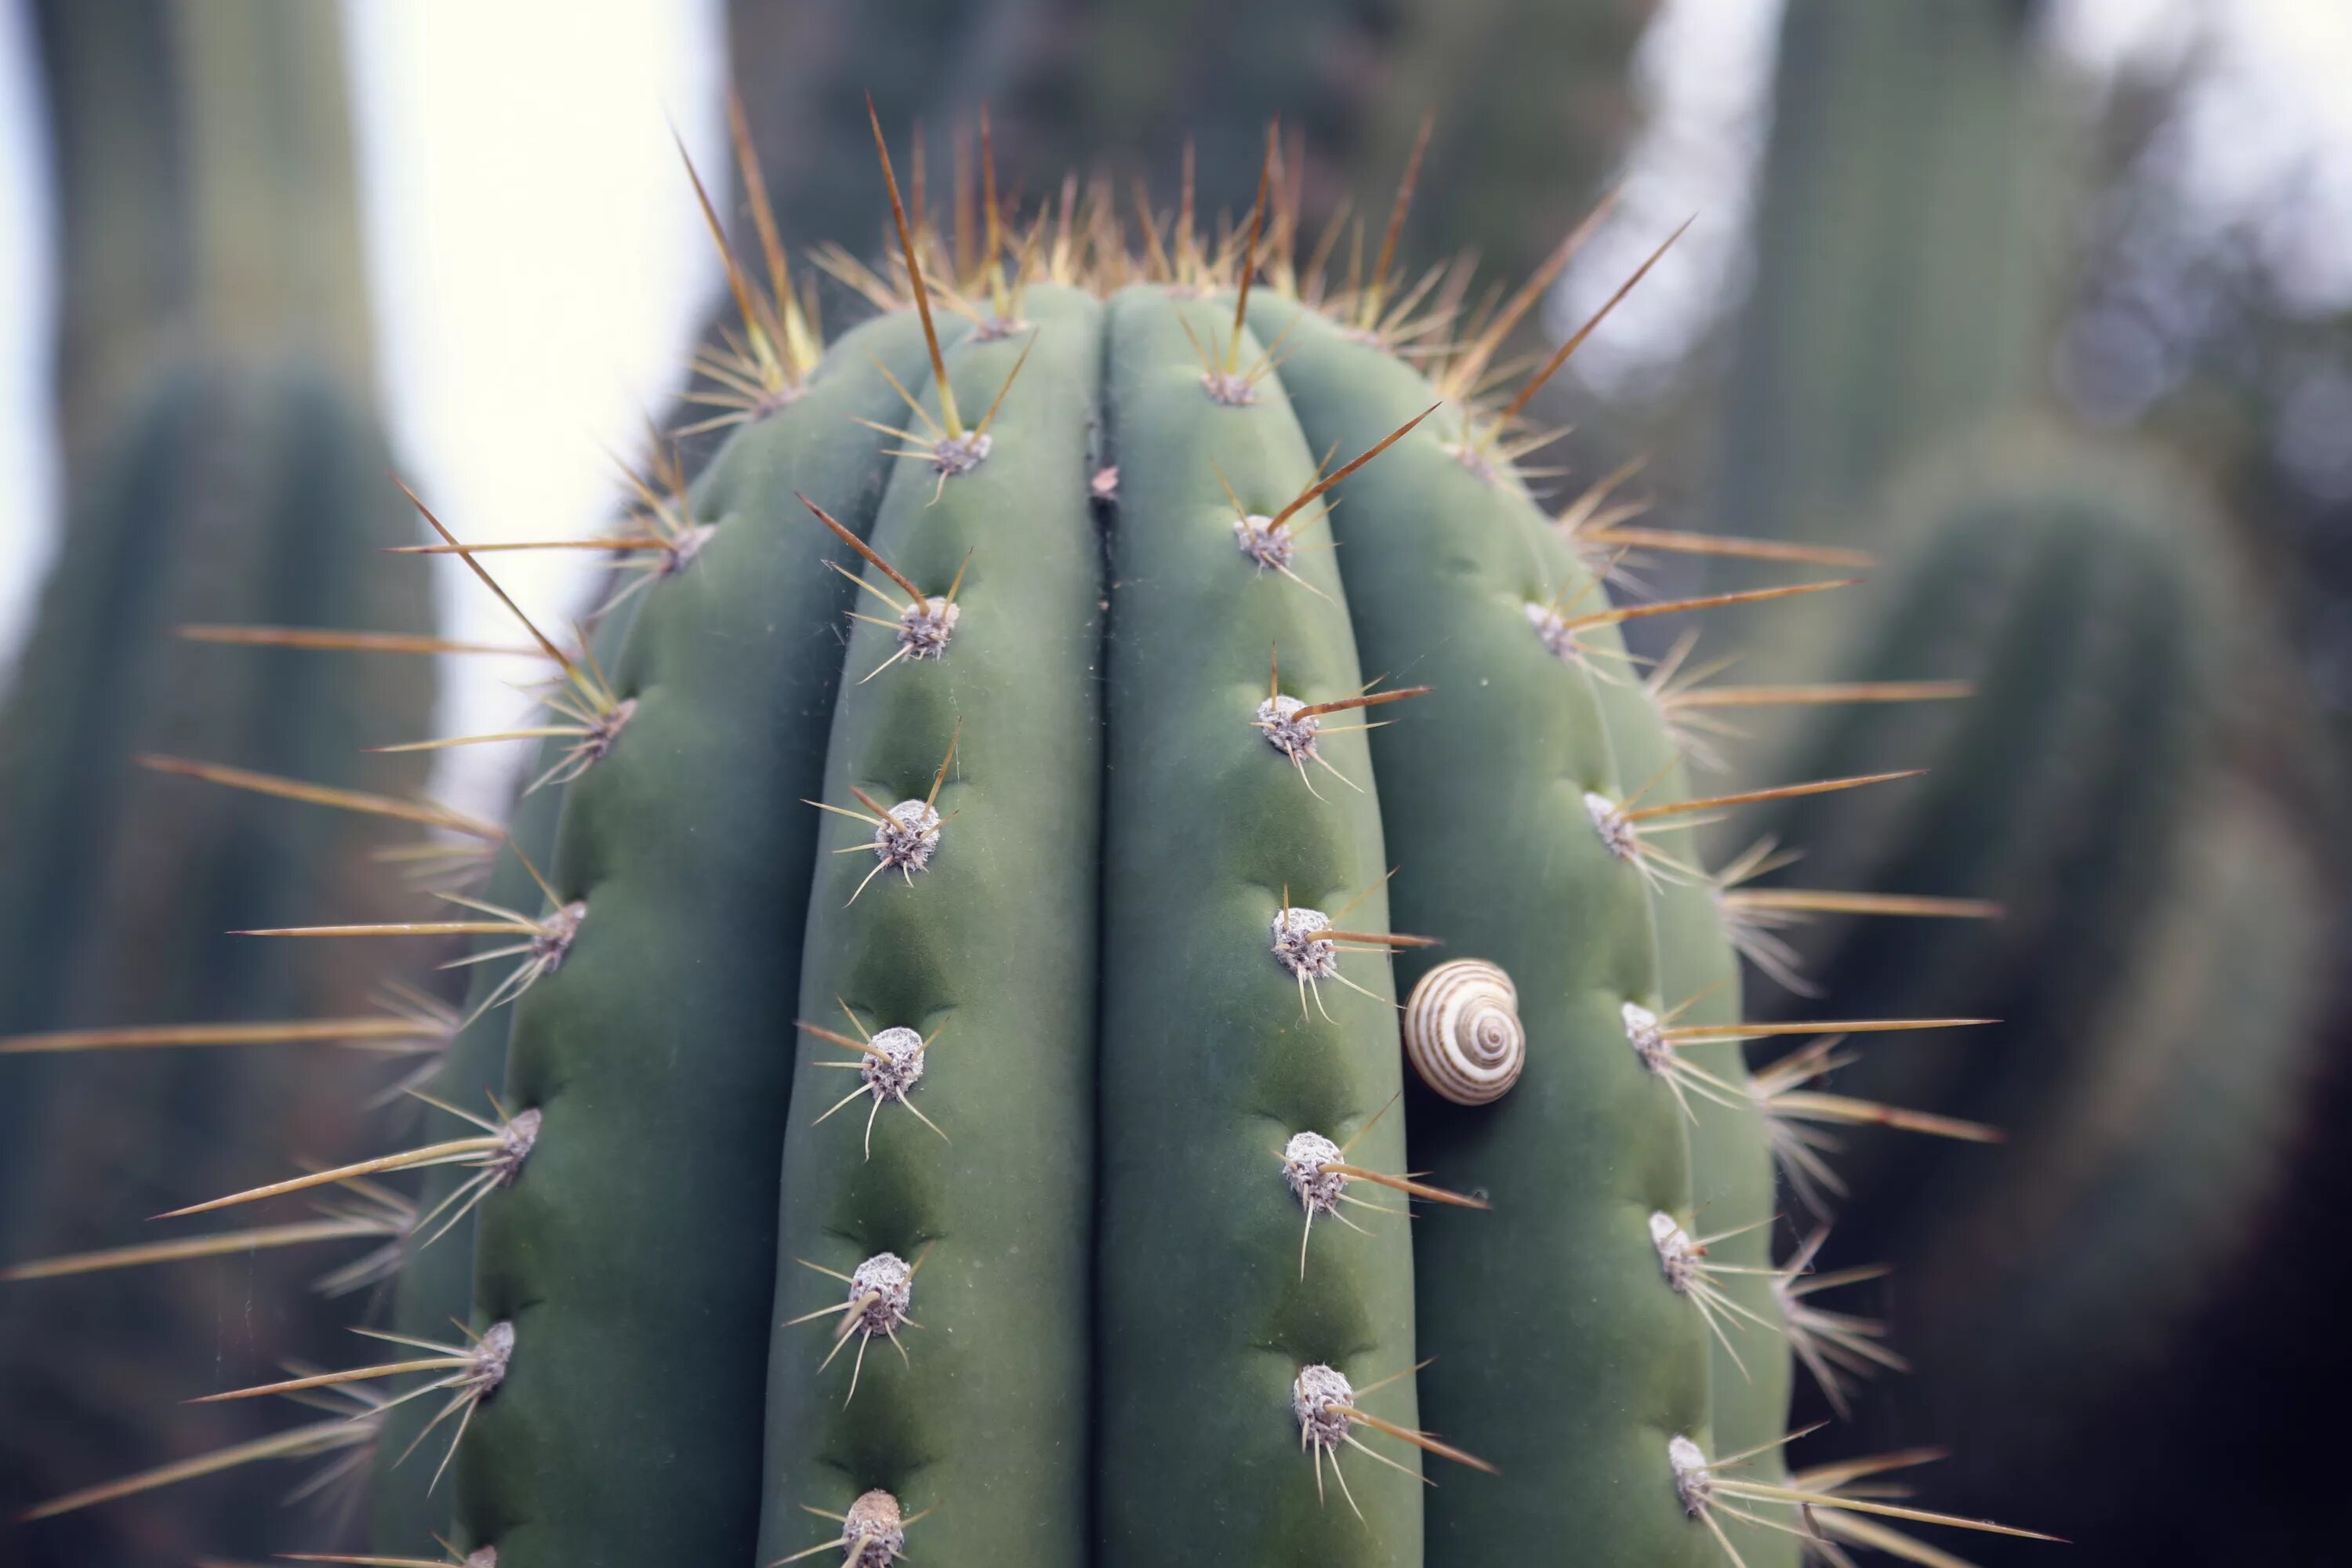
{"type": "Point", "coordinates": [775, 355]}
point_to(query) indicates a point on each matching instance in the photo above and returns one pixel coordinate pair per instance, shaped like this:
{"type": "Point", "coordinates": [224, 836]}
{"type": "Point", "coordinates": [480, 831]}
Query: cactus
{"type": "Point", "coordinates": [1044, 935]}
{"type": "Point", "coordinates": [2078, 591]}
{"type": "Point", "coordinates": [2160, 970]}
{"type": "Point", "coordinates": [1903, 277]}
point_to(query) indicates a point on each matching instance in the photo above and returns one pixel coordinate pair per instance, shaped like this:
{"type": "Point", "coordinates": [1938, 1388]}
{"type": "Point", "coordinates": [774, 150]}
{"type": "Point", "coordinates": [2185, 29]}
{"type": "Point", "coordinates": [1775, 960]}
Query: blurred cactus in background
{"type": "Point", "coordinates": [2144, 1170]}
{"type": "Point", "coordinates": [224, 467]}
{"type": "Point", "coordinates": [1905, 272]}
{"type": "Point", "coordinates": [2079, 591]}
{"type": "Point", "coordinates": [1530, 98]}
{"type": "Point", "coordinates": [2141, 780]}
{"type": "Point", "coordinates": [2160, 971]}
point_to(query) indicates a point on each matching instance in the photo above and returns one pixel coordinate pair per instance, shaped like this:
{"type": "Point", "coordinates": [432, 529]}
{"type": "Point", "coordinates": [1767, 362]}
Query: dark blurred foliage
{"type": "Point", "coordinates": [223, 465]}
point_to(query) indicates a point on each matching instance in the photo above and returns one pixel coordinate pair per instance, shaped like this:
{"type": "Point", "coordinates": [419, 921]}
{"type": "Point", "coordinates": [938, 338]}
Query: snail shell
{"type": "Point", "coordinates": [1462, 1034]}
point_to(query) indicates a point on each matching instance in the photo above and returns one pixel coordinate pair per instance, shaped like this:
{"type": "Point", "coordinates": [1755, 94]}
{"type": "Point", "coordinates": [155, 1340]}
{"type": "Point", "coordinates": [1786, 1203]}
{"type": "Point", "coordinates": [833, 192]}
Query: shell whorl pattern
{"type": "Point", "coordinates": [1462, 1034]}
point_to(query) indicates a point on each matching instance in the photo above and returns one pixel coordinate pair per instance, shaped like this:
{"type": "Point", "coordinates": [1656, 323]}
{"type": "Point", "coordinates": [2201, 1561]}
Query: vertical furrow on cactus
{"type": "Point", "coordinates": [1214, 1052]}
{"type": "Point", "coordinates": [633, 1253]}
{"type": "Point", "coordinates": [1732, 1184]}
{"type": "Point", "coordinates": [964, 1154]}
{"type": "Point", "coordinates": [1558, 1296]}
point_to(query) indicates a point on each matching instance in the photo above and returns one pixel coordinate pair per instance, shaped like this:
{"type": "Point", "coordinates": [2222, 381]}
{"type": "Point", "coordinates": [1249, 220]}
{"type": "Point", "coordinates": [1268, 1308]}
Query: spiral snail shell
{"type": "Point", "coordinates": [1462, 1034]}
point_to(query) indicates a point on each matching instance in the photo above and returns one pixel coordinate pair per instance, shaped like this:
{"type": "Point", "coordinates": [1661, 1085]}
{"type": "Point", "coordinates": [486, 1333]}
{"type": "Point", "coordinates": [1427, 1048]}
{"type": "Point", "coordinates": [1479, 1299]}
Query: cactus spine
{"type": "Point", "coordinates": [1089, 912]}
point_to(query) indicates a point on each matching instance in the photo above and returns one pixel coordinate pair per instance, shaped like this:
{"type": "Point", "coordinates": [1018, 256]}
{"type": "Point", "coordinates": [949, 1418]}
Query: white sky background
{"type": "Point", "coordinates": [538, 266]}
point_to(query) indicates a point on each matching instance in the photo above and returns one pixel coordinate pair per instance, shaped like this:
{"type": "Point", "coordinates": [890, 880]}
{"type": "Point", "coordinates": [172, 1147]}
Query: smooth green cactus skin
{"type": "Point", "coordinates": [1213, 1055]}
{"type": "Point", "coordinates": [991, 946]}
{"type": "Point", "coordinates": [1556, 1297]}
{"type": "Point", "coordinates": [1732, 1188]}
{"type": "Point", "coordinates": [629, 1428]}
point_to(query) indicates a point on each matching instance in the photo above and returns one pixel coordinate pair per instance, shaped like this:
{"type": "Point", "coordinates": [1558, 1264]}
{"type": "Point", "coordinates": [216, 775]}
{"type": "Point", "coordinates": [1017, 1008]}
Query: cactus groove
{"type": "Point", "coordinates": [946, 1043]}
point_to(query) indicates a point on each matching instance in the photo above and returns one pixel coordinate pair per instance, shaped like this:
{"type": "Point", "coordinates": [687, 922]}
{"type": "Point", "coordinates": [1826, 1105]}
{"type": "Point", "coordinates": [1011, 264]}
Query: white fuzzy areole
{"type": "Point", "coordinates": [882, 1289]}
{"type": "Point", "coordinates": [1277, 720]}
{"type": "Point", "coordinates": [875, 1529]}
{"type": "Point", "coordinates": [1297, 948]}
{"type": "Point", "coordinates": [1558, 636]}
{"type": "Point", "coordinates": [954, 455]}
{"type": "Point", "coordinates": [1647, 1039]}
{"type": "Point", "coordinates": [1609, 821]}
{"type": "Point", "coordinates": [1693, 1481]}
{"type": "Point", "coordinates": [553, 939]}
{"type": "Point", "coordinates": [1307, 1160]}
{"type": "Point", "coordinates": [899, 1066]}
{"type": "Point", "coordinates": [1312, 1396]}
{"type": "Point", "coordinates": [492, 1355]}
{"type": "Point", "coordinates": [1677, 1253]}
{"type": "Point", "coordinates": [1267, 547]}
{"type": "Point", "coordinates": [1229, 387]}
{"type": "Point", "coordinates": [516, 1140]}
{"type": "Point", "coordinates": [926, 625]}
{"type": "Point", "coordinates": [908, 840]}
